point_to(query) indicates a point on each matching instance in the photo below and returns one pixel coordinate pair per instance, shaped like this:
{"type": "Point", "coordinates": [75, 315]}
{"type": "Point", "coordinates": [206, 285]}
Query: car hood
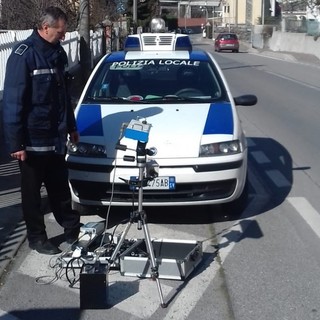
{"type": "Point", "coordinates": [177, 130]}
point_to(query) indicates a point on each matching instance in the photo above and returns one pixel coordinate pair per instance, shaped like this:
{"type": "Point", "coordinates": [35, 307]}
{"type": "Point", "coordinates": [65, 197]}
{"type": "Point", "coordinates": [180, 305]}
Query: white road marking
{"type": "Point", "coordinates": [125, 293]}
{"type": "Point", "coordinates": [278, 178]}
{"type": "Point", "coordinates": [307, 212]}
{"type": "Point", "coordinates": [260, 157]}
{"type": "Point", "coordinates": [308, 85]}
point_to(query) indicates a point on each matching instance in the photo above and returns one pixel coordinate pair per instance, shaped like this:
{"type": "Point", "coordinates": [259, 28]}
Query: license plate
{"type": "Point", "coordinates": [229, 45]}
{"type": "Point", "coordinates": [159, 183]}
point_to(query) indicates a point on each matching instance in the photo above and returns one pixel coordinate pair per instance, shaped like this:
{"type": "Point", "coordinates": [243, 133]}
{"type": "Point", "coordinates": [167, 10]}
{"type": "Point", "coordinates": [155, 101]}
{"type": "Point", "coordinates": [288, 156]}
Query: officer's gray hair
{"type": "Point", "coordinates": [50, 16]}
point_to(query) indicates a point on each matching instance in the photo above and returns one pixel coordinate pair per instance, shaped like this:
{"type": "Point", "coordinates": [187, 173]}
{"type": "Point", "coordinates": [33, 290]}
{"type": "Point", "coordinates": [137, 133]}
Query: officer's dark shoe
{"type": "Point", "coordinates": [44, 247]}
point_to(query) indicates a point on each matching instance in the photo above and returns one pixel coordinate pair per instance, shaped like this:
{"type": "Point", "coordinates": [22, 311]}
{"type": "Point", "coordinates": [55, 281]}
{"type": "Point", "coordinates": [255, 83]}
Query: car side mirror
{"type": "Point", "coordinates": [245, 100]}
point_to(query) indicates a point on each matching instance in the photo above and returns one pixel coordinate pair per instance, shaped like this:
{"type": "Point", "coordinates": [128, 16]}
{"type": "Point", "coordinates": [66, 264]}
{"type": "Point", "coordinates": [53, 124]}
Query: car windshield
{"type": "Point", "coordinates": [229, 37]}
{"type": "Point", "coordinates": [155, 80]}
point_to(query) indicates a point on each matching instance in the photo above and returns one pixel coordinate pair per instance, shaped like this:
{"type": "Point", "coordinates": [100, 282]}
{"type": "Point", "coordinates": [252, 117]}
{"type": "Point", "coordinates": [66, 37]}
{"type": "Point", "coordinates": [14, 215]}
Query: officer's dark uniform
{"type": "Point", "coordinates": [37, 117]}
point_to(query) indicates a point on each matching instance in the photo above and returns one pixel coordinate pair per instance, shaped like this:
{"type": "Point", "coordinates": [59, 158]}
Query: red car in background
{"type": "Point", "coordinates": [226, 41]}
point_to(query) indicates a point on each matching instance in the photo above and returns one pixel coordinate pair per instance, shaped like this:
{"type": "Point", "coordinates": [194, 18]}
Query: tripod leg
{"type": "Point", "coordinates": [154, 267]}
{"type": "Point", "coordinates": [119, 244]}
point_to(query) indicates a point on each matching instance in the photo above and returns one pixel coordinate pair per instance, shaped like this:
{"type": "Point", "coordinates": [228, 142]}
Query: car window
{"type": "Point", "coordinates": [229, 37]}
{"type": "Point", "coordinates": [156, 78]}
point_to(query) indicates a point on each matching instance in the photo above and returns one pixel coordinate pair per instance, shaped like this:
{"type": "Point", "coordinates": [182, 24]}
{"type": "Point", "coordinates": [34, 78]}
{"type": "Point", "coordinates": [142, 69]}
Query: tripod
{"type": "Point", "coordinates": [139, 216]}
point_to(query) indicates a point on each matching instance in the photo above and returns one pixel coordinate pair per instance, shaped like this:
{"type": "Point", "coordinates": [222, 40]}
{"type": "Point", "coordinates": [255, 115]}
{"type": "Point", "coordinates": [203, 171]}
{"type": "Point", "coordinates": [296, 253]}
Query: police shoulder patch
{"type": "Point", "coordinates": [21, 49]}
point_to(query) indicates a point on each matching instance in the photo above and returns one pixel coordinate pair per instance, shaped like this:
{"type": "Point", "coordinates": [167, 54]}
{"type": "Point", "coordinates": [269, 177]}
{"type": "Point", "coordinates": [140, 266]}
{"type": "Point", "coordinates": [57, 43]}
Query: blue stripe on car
{"type": "Point", "coordinates": [219, 119]}
{"type": "Point", "coordinates": [89, 120]}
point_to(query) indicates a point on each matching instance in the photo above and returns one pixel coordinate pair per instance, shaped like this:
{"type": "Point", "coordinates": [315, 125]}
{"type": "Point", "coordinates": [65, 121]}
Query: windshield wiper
{"type": "Point", "coordinates": [176, 98]}
{"type": "Point", "coordinates": [109, 98]}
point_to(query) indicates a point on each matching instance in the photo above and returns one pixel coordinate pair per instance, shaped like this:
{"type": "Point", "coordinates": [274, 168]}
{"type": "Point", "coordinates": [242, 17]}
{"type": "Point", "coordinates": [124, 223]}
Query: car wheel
{"type": "Point", "coordinates": [236, 207]}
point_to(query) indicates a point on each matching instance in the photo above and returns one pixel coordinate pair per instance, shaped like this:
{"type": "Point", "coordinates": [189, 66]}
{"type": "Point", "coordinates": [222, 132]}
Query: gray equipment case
{"type": "Point", "coordinates": [175, 259]}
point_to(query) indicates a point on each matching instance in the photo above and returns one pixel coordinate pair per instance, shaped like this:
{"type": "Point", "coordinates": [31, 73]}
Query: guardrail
{"type": "Point", "coordinates": [71, 44]}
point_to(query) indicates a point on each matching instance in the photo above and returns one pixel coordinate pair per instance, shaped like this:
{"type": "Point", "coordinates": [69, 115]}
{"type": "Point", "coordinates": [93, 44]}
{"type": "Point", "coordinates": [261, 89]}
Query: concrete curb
{"type": "Point", "coordinates": [11, 246]}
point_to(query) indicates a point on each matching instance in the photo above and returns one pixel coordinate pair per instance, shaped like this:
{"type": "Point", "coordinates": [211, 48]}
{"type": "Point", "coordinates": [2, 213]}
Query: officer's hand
{"type": "Point", "coordinates": [19, 155]}
{"type": "Point", "coordinates": [74, 137]}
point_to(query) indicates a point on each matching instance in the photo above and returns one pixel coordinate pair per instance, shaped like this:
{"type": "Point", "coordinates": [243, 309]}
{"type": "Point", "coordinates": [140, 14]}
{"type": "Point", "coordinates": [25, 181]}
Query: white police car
{"type": "Point", "coordinates": [194, 141]}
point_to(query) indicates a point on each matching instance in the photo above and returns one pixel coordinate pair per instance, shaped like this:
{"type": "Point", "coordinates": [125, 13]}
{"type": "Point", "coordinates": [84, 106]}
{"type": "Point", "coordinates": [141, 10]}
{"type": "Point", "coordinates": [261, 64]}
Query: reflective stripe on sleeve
{"type": "Point", "coordinates": [41, 149]}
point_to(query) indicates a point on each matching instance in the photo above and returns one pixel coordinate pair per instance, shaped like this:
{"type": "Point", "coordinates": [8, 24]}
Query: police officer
{"type": "Point", "coordinates": [38, 119]}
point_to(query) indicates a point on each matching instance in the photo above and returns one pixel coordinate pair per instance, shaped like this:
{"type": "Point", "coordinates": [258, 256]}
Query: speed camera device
{"type": "Point", "coordinates": [138, 130]}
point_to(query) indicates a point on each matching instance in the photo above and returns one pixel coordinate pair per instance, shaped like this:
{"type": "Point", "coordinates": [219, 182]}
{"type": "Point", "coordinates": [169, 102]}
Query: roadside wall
{"type": "Point", "coordinates": [294, 42]}
{"type": "Point", "coordinates": [266, 37]}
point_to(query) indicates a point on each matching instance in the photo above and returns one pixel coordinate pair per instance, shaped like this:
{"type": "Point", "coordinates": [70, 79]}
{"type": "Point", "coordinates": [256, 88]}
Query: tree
{"type": "Point", "coordinates": [312, 6]}
{"type": "Point", "coordinates": [23, 14]}
{"type": "Point", "coordinates": [146, 10]}
{"type": "Point", "coordinates": [299, 5]}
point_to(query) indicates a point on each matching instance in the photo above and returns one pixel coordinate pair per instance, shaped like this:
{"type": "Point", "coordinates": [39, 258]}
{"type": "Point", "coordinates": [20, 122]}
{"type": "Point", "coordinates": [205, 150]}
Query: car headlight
{"type": "Point", "coordinates": [86, 149]}
{"type": "Point", "coordinates": [220, 148]}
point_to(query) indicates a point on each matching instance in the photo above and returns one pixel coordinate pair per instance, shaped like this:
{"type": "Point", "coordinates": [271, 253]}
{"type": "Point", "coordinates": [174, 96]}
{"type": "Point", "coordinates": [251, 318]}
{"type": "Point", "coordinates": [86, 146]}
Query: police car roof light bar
{"type": "Point", "coordinates": [158, 41]}
{"type": "Point", "coordinates": [183, 43]}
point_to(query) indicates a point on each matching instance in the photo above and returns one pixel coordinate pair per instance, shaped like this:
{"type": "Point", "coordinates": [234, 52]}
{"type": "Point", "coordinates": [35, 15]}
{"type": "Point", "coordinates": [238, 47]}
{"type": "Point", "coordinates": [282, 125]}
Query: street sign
{"type": "Point", "coordinates": [120, 7]}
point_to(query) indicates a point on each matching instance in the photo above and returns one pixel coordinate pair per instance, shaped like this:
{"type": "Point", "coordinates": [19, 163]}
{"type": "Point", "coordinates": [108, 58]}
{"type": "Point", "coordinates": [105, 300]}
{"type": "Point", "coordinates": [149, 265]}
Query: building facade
{"type": "Point", "coordinates": [224, 12]}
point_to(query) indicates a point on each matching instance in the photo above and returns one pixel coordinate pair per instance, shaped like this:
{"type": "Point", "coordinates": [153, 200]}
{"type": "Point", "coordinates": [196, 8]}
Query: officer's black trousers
{"type": "Point", "coordinates": [52, 171]}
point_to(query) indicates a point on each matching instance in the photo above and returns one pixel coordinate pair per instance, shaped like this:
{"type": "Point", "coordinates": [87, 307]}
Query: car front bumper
{"type": "Point", "coordinates": [197, 184]}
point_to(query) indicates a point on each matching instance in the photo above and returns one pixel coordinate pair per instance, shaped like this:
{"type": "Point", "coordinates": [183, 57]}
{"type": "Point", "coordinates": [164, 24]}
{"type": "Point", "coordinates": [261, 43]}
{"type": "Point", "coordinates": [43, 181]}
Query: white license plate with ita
{"type": "Point", "coordinates": [159, 183]}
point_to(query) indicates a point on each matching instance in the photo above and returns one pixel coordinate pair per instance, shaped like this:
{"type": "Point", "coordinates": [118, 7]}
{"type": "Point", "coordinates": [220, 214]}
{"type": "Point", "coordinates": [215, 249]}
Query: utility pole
{"type": "Point", "coordinates": [85, 52]}
{"type": "Point", "coordinates": [134, 13]}
{"type": "Point", "coordinates": [236, 15]}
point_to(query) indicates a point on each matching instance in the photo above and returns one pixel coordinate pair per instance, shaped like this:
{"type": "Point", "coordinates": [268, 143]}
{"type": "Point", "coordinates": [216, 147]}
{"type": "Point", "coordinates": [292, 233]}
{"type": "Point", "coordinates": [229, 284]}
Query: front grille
{"type": "Point", "coordinates": [98, 191]}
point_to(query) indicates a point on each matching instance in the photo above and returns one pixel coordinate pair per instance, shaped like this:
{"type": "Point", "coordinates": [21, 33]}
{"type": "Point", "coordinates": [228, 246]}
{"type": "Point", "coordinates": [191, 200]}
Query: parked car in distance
{"type": "Point", "coordinates": [226, 41]}
{"type": "Point", "coordinates": [184, 31]}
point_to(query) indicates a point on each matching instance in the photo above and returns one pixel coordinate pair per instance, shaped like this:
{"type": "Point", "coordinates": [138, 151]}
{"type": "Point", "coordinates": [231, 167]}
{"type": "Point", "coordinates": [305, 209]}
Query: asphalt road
{"type": "Point", "coordinates": [265, 279]}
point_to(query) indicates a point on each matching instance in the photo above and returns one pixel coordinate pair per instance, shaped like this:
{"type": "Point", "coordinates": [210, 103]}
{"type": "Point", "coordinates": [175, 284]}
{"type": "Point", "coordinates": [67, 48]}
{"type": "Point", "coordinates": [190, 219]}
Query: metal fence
{"type": "Point", "coordinates": [309, 27]}
{"type": "Point", "coordinates": [71, 44]}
